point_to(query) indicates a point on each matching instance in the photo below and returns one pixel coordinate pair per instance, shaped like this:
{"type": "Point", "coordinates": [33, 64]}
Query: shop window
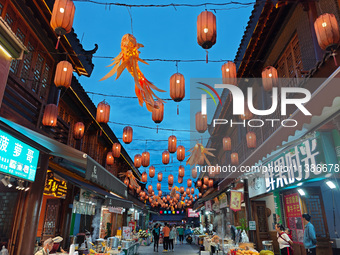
{"type": "Point", "coordinates": [44, 80]}
{"type": "Point", "coordinates": [27, 63]}
{"type": "Point", "coordinates": [15, 63]}
{"type": "Point", "coordinates": [37, 73]}
{"type": "Point", "coordinates": [9, 20]}
{"type": "Point", "coordinates": [1, 8]}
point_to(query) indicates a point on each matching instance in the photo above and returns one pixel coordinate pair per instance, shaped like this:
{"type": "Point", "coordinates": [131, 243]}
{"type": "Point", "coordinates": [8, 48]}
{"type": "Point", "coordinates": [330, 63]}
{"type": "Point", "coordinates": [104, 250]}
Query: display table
{"type": "Point", "coordinates": [132, 249]}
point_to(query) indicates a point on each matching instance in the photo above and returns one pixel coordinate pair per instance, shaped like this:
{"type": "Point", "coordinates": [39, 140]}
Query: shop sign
{"type": "Point", "coordinates": [223, 200]}
{"type": "Point", "coordinates": [257, 186]}
{"type": "Point", "coordinates": [127, 233]}
{"type": "Point", "coordinates": [132, 225]}
{"type": "Point", "coordinates": [303, 162]}
{"type": "Point", "coordinates": [192, 213]}
{"type": "Point", "coordinates": [208, 206]}
{"type": "Point", "coordinates": [118, 210]}
{"type": "Point", "coordinates": [294, 216]}
{"type": "Point", "coordinates": [252, 225]}
{"type": "Point", "coordinates": [54, 186]}
{"type": "Point", "coordinates": [17, 158]}
{"type": "Point", "coordinates": [235, 200]}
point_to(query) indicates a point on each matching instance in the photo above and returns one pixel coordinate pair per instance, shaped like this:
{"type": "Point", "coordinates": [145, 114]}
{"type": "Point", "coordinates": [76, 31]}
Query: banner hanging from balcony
{"type": "Point", "coordinates": [235, 200]}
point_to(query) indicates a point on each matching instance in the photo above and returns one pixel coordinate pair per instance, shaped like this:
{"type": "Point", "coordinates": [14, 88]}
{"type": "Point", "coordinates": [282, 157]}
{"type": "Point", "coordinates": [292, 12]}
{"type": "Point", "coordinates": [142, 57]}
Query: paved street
{"type": "Point", "coordinates": [179, 249]}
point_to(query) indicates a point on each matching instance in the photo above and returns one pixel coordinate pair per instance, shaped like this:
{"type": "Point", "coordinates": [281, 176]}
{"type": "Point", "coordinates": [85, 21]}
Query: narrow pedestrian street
{"type": "Point", "coordinates": [179, 249]}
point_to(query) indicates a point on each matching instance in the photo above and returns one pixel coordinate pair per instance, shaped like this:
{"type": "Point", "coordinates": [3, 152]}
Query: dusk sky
{"type": "Point", "coordinates": [166, 33]}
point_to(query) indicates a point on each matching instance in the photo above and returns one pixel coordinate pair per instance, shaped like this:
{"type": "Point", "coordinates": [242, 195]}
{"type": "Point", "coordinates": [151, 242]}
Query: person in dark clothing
{"type": "Point", "coordinates": [309, 236]}
{"type": "Point", "coordinates": [155, 233]}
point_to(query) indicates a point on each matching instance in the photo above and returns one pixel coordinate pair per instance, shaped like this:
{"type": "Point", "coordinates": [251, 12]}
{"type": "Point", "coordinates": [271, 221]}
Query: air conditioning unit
{"type": "Point", "coordinates": [335, 242]}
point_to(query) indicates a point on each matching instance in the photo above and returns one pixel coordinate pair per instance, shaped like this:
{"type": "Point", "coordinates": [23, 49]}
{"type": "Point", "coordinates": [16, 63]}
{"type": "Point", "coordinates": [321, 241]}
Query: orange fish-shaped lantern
{"type": "Point", "coordinates": [128, 58]}
{"type": "Point", "coordinates": [197, 152]}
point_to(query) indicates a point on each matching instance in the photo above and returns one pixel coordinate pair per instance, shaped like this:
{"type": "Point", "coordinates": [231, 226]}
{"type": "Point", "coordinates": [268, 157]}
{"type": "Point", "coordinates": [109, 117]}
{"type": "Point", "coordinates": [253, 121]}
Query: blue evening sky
{"type": "Point", "coordinates": [166, 33]}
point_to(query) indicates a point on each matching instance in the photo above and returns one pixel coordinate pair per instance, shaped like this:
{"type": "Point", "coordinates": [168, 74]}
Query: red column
{"type": "Point", "coordinates": [5, 62]}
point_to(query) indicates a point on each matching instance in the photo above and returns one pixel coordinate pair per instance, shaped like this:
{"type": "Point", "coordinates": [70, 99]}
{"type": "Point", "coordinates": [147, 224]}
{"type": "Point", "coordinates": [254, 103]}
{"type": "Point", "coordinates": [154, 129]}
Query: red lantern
{"type": "Point", "coordinates": [78, 130]}
{"type": "Point", "coordinates": [251, 140]}
{"type": "Point", "coordinates": [116, 148]}
{"type": "Point", "coordinates": [150, 189]}
{"type": "Point", "coordinates": [145, 159]}
{"type": "Point", "coordinates": [247, 113]}
{"type": "Point", "coordinates": [205, 186]}
{"type": "Point", "coordinates": [229, 73]}
{"type": "Point", "coordinates": [103, 112]}
{"type": "Point", "coordinates": [144, 177]}
{"type": "Point", "coordinates": [181, 171]}
{"type": "Point", "coordinates": [138, 160]}
{"type": "Point", "coordinates": [181, 190]}
{"type": "Point", "coordinates": [189, 183]}
{"type": "Point", "coordinates": [199, 183]}
{"type": "Point", "coordinates": [200, 194]}
{"type": "Point", "coordinates": [180, 179]}
{"type": "Point", "coordinates": [159, 186]}
{"type": "Point", "coordinates": [177, 87]}
{"type": "Point", "coordinates": [109, 158]}
{"type": "Point", "coordinates": [201, 122]}
{"type": "Point", "coordinates": [195, 197]}
{"type": "Point", "coordinates": [165, 157]}
{"type": "Point", "coordinates": [168, 197]}
{"type": "Point", "coordinates": [180, 153]}
{"type": "Point", "coordinates": [170, 187]}
{"type": "Point", "coordinates": [327, 31]}
{"type": "Point", "coordinates": [172, 144]}
{"type": "Point", "coordinates": [226, 143]}
{"type": "Point", "coordinates": [50, 115]}
{"type": "Point", "coordinates": [160, 176]}
{"type": "Point", "coordinates": [160, 193]}
{"type": "Point", "coordinates": [152, 171]}
{"type": "Point", "coordinates": [63, 74]}
{"type": "Point", "coordinates": [192, 190]}
{"type": "Point", "coordinates": [269, 78]}
{"type": "Point", "coordinates": [211, 183]}
{"type": "Point", "coordinates": [206, 180]}
{"type": "Point", "coordinates": [188, 190]}
{"type": "Point", "coordinates": [234, 158]}
{"type": "Point", "coordinates": [206, 29]}
{"type": "Point", "coordinates": [194, 173]}
{"type": "Point", "coordinates": [127, 134]}
{"type": "Point", "coordinates": [170, 179]}
{"type": "Point", "coordinates": [158, 112]}
{"type": "Point", "coordinates": [62, 16]}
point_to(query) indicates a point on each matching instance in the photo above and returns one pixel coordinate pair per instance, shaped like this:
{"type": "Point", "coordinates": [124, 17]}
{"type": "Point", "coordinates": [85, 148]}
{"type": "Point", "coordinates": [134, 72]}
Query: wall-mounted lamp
{"type": "Point", "coordinates": [301, 192]}
{"type": "Point", "coordinates": [331, 185]}
{"type": "Point", "coordinates": [6, 181]}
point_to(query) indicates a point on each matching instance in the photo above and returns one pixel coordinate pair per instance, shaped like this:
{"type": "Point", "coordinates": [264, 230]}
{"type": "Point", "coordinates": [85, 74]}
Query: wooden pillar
{"type": "Point", "coordinates": [29, 224]}
{"type": "Point", "coordinates": [5, 63]}
{"type": "Point", "coordinates": [66, 215]}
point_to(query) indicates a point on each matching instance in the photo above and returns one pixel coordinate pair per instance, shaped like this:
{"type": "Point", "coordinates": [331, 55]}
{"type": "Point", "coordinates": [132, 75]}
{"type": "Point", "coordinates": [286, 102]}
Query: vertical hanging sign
{"type": "Point", "coordinates": [235, 200]}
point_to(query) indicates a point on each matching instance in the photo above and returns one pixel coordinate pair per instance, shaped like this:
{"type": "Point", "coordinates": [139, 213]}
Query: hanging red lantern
{"type": "Point", "coordinates": [103, 112]}
{"type": "Point", "coordinates": [144, 177]}
{"type": "Point", "coordinates": [50, 115]}
{"type": "Point", "coordinates": [116, 148]}
{"type": "Point", "coordinates": [247, 113]}
{"type": "Point", "coordinates": [150, 189]}
{"type": "Point", "coordinates": [192, 191]}
{"type": "Point", "coordinates": [127, 134]}
{"type": "Point", "coordinates": [159, 186]}
{"type": "Point", "coordinates": [204, 186]}
{"type": "Point", "coordinates": [152, 171]}
{"type": "Point", "coordinates": [269, 78]}
{"type": "Point", "coordinates": [327, 31]}
{"type": "Point", "coordinates": [168, 197]}
{"type": "Point", "coordinates": [206, 180]}
{"type": "Point", "coordinates": [211, 183]}
{"type": "Point", "coordinates": [160, 193]}
{"type": "Point", "coordinates": [189, 183]}
{"type": "Point", "coordinates": [177, 87]}
{"type": "Point", "coordinates": [170, 179]}
{"type": "Point", "coordinates": [201, 122]}
{"type": "Point", "coordinates": [195, 197]}
{"type": "Point", "coordinates": [229, 73]}
{"type": "Point", "coordinates": [170, 187]}
{"type": "Point", "coordinates": [172, 144]}
{"type": "Point", "coordinates": [138, 160]}
{"type": "Point", "coordinates": [226, 143]}
{"type": "Point", "coordinates": [145, 159]}
{"type": "Point", "coordinates": [234, 158]}
{"type": "Point", "coordinates": [194, 173]}
{"type": "Point", "coordinates": [158, 112]}
{"type": "Point", "coordinates": [165, 157]}
{"type": "Point", "coordinates": [109, 158]}
{"type": "Point", "coordinates": [62, 17]}
{"type": "Point", "coordinates": [78, 130]}
{"type": "Point", "coordinates": [199, 183]}
{"type": "Point", "coordinates": [181, 189]}
{"type": "Point", "coordinates": [63, 74]}
{"type": "Point", "coordinates": [181, 171]}
{"type": "Point", "coordinates": [180, 153]}
{"type": "Point", "coordinates": [188, 190]}
{"type": "Point", "coordinates": [251, 140]}
{"type": "Point", "coordinates": [206, 30]}
{"type": "Point", "coordinates": [160, 176]}
{"type": "Point", "coordinates": [200, 194]}
{"type": "Point", "coordinates": [180, 179]}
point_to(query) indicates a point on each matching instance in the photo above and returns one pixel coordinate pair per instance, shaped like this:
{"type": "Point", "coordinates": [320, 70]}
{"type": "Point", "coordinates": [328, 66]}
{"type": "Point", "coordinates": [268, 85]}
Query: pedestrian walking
{"type": "Point", "coordinates": [155, 233]}
{"type": "Point", "coordinates": [181, 234]}
{"type": "Point", "coordinates": [309, 236]}
{"type": "Point", "coordinates": [166, 233]}
{"type": "Point", "coordinates": [172, 237]}
{"type": "Point", "coordinates": [284, 241]}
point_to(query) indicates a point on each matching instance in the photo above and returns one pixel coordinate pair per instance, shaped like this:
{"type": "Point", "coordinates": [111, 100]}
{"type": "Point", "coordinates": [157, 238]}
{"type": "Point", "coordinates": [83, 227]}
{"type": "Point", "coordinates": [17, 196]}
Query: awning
{"type": "Point", "coordinates": [324, 104]}
{"type": "Point", "coordinates": [110, 200]}
{"type": "Point", "coordinates": [93, 170]}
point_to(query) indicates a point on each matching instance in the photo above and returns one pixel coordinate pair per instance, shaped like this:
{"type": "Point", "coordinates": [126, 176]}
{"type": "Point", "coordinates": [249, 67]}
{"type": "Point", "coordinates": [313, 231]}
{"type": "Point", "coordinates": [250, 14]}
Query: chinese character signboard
{"type": "Point", "coordinates": [208, 206]}
{"type": "Point", "coordinates": [17, 158]}
{"type": "Point", "coordinates": [294, 216]}
{"type": "Point", "coordinates": [235, 200]}
{"type": "Point", "coordinates": [223, 200]}
{"type": "Point", "coordinates": [56, 187]}
{"type": "Point", "coordinates": [192, 213]}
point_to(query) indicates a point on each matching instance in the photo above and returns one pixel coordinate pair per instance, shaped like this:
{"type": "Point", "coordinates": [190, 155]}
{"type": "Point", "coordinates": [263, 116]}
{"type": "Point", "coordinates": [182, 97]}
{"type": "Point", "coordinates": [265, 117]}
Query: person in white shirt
{"type": "Point", "coordinates": [284, 241]}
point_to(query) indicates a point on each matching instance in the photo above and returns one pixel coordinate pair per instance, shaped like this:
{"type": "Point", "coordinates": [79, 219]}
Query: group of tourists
{"type": "Point", "coordinates": [170, 235]}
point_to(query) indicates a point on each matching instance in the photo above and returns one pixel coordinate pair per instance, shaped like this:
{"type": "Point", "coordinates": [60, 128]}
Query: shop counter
{"type": "Point", "coordinates": [132, 249]}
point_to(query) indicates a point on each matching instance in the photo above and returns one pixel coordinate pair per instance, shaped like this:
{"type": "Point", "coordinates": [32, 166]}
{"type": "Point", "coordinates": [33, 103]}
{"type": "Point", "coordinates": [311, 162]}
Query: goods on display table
{"type": "Point", "coordinates": [144, 238]}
